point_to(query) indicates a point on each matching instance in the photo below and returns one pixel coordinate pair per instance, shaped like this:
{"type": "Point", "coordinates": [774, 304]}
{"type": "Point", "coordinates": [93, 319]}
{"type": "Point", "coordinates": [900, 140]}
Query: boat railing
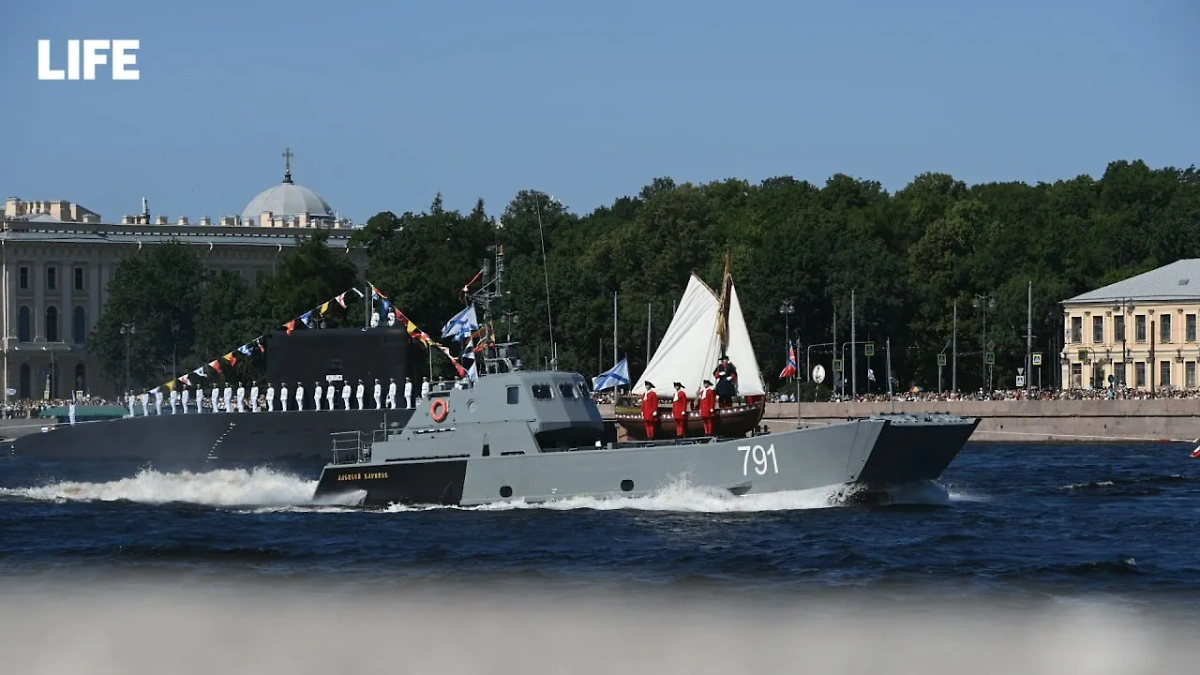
{"type": "Point", "coordinates": [354, 446]}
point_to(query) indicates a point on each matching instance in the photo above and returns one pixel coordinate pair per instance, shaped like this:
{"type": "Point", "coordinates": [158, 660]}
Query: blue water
{"type": "Point", "coordinates": [1009, 521]}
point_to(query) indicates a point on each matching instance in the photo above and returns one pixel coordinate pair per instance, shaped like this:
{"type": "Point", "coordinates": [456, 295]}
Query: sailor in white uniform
{"type": "Point", "coordinates": [129, 402]}
{"type": "Point", "coordinates": [241, 397]}
{"type": "Point", "coordinates": [254, 397]}
{"type": "Point", "coordinates": [424, 389]}
{"type": "Point", "coordinates": [174, 400]}
{"type": "Point", "coordinates": [359, 391]}
{"type": "Point", "coordinates": [199, 399]}
{"type": "Point", "coordinates": [391, 397]}
{"type": "Point", "coordinates": [346, 395]}
{"type": "Point", "coordinates": [378, 394]}
{"type": "Point", "coordinates": [186, 395]}
{"type": "Point", "coordinates": [145, 404]}
{"type": "Point", "coordinates": [299, 396]}
{"type": "Point", "coordinates": [71, 412]}
{"type": "Point", "coordinates": [228, 398]}
{"type": "Point", "coordinates": [157, 401]}
{"type": "Point", "coordinates": [408, 393]}
{"type": "Point", "coordinates": [214, 400]}
{"type": "Point", "coordinates": [283, 392]}
{"type": "Point", "coordinates": [270, 397]}
{"type": "Point", "coordinates": [329, 394]}
{"type": "Point", "coordinates": [317, 396]}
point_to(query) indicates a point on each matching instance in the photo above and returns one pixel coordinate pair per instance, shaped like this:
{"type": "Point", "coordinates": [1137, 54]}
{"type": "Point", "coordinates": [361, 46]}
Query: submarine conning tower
{"type": "Point", "coordinates": [513, 413]}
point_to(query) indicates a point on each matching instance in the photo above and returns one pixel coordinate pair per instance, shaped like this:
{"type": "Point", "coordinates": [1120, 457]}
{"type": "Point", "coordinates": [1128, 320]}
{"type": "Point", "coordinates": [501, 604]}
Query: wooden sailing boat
{"type": "Point", "coordinates": [704, 328]}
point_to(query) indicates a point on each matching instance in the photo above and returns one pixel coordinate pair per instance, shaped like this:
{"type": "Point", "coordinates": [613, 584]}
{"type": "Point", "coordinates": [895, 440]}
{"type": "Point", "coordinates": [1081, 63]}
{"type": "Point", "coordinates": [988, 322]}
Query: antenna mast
{"type": "Point", "coordinates": [546, 275]}
{"type": "Point", "coordinates": [491, 291]}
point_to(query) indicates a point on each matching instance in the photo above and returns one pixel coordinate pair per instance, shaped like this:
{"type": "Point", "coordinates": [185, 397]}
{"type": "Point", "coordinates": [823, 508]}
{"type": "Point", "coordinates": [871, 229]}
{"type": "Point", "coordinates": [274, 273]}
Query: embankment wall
{"type": "Point", "coordinates": [1031, 421]}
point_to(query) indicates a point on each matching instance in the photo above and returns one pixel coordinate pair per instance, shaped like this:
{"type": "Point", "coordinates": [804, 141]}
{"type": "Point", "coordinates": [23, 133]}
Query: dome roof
{"type": "Point", "coordinates": [287, 200]}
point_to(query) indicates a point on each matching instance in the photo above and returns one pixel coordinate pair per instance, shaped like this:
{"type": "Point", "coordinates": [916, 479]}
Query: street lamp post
{"type": "Point", "coordinates": [127, 329]}
{"type": "Point", "coordinates": [786, 308]}
{"type": "Point", "coordinates": [984, 303]}
{"type": "Point", "coordinates": [1125, 306]}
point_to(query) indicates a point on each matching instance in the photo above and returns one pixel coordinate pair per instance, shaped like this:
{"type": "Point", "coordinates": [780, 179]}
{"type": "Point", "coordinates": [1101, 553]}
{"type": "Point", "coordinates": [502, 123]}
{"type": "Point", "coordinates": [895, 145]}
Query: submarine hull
{"type": "Point", "coordinates": [205, 440]}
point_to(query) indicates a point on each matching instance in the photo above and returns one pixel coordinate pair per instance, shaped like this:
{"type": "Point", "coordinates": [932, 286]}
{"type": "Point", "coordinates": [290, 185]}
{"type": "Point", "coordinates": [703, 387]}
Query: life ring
{"type": "Point", "coordinates": [438, 409]}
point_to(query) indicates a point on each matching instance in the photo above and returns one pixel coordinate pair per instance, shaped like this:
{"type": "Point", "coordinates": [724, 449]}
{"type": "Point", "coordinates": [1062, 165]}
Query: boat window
{"type": "Point", "coordinates": [583, 390]}
{"type": "Point", "coordinates": [542, 392]}
{"type": "Point", "coordinates": [567, 389]}
{"type": "Point", "coordinates": [514, 395]}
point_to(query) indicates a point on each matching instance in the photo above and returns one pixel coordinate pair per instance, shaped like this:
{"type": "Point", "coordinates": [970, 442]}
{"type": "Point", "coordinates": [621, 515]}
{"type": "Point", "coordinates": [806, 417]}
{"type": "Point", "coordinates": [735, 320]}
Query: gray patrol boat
{"type": "Point", "coordinates": [537, 435]}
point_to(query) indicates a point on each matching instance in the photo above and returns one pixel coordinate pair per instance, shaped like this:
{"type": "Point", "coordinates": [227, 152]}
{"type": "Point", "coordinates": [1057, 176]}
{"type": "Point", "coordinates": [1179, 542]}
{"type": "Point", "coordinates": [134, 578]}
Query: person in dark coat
{"type": "Point", "coordinates": [726, 376]}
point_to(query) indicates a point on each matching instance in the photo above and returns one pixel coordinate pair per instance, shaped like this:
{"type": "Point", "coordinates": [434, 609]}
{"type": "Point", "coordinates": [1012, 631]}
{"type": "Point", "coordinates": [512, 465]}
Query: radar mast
{"type": "Point", "coordinates": [497, 356]}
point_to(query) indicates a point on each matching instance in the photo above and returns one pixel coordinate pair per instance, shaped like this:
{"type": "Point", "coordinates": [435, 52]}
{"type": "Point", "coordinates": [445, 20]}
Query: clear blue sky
{"type": "Point", "coordinates": [385, 104]}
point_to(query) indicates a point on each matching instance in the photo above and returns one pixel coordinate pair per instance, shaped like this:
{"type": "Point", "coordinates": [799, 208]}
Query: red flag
{"type": "Point", "coordinates": [290, 326]}
{"type": "Point", "coordinates": [790, 368]}
{"type": "Point", "coordinates": [184, 380]}
{"type": "Point", "coordinates": [215, 365]}
{"type": "Point", "coordinates": [231, 359]}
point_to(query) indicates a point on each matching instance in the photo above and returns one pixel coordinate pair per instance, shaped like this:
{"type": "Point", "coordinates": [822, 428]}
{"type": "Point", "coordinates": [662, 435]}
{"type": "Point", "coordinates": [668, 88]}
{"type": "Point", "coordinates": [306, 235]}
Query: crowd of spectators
{"type": "Point", "coordinates": [27, 408]}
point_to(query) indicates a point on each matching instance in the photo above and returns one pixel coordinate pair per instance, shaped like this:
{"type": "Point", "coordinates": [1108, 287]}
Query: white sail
{"type": "Point", "coordinates": [689, 351]}
{"type": "Point", "coordinates": [741, 352]}
{"type": "Point", "coordinates": [690, 348]}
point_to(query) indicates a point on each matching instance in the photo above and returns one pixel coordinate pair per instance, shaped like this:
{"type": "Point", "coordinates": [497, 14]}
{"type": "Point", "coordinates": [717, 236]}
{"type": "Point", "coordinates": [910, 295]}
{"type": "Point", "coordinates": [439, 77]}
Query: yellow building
{"type": "Point", "coordinates": [1140, 332]}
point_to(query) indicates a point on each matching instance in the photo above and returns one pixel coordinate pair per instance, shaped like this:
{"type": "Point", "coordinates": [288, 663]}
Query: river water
{"type": "Point", "coordinates": [1053, 548]}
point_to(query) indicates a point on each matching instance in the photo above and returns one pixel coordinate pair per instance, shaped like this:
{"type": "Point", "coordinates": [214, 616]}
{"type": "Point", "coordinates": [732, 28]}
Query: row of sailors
{"type": "Point", "coordinates": [238, 401]}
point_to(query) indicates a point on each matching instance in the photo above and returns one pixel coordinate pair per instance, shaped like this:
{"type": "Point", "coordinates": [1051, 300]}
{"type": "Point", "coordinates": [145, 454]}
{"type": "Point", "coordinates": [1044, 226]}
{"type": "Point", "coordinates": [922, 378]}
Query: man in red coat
{"type": "Point", "coordinates": [708, 404]}
{"type": "Point", "coordinates": [650, 409]}
{"type": "Point", "coordinates": [679, 411]}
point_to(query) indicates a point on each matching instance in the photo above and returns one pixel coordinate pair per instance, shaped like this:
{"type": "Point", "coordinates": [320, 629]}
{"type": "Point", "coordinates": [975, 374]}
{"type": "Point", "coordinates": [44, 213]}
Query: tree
{"type": "Point", "coordinates": [149, 320]}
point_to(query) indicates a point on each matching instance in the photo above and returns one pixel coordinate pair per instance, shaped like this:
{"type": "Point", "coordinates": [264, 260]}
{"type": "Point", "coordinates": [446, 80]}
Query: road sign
{"type": "Point", "coordinates": [837, 365]}
{"type": "Point", "coordinates": [991, 345]}
{"type": "Point", "coordinates": [990, 359]}
{"type": "Point", "coordinates": [1037, 358]}
{"type": "Point", "coordinates": [1020, 380]}
{"type": "Point", "coordinates": [869, 349]}
{"type": "Point", "coordinates": [818, 373]}
{"type": "Point", "coordinates": [941, 359]}
{"type": "Point", "coordinates": [1111, 379]}
{"type": "Point", "coordinates": [1020, 371]}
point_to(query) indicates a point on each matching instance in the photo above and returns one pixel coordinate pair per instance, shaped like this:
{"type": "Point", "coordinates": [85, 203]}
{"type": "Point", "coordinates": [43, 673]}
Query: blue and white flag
{"type": "Point", "coordinates": [617, 376]}
{"type": "Point", "coordinates": [461, 326]}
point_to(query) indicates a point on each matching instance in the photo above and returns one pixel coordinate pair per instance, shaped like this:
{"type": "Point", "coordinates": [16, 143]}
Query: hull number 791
{"type": "Point", "coordinates": [764, 459]}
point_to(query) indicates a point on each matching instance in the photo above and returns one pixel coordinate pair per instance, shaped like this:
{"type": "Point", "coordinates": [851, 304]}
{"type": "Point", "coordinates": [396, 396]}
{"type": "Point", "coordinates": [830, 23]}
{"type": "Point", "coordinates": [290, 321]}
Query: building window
{"type": "Point", "coordinates": [1098, 330]}
{"type": "Point", "coordinates": [1164, 328]}
{"type": "Point", "coordinates": [26, 383]}
{"type": "Point", "coordinates": [1118, 329]}
{"type": "Point", "coordinates": [79, 278]}
{"type": "Point", "coordinates": [1164, 373]}
{"type": "Point", "coordinates": [1139, 328]}
{"type": "Point", "coordinates": [24, 325]}
{"type": "Point", "coordinates": [51, 324]}
{"type": "Point", "coordinates": [1189, 374]}
{"type": "Point", "coordinates": [80, 378]}
{"type": "Point", "coordinates": [51, 278]}
{"type": "Point", "coordinates": [1190, 328]}
{"type": "Point", "coordinates": [1076, 375]}
{"type": "Point", "coordinates": [79, 326]}
{"type": "Point", "coordinates": [1139, 375]}
{"type": "Point", "coordinates": [1119, 372]}
{"type": "Point", "coordinates": [23, 279]}
{"type": "Point", "coordinates": [1076, 329]}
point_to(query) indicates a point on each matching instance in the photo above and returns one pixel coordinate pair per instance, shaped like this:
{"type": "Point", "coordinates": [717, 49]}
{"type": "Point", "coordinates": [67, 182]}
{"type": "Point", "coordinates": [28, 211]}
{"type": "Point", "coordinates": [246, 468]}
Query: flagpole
{"type": "Point", "coordinates": [798, 422]}
{"type": "Point", "coordinates": [649, 326]}
{"type": "Point", "coordinates": [614, 327]}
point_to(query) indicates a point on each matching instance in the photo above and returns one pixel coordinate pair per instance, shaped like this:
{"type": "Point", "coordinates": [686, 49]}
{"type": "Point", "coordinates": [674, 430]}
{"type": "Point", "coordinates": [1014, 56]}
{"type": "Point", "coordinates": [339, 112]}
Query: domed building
{"type": "Point", "coordinates": [290, 205]}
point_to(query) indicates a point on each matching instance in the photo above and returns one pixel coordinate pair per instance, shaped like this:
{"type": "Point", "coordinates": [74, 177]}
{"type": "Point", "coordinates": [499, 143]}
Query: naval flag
{"type": "Point", "coordinates": [790, 368]}
{"type": "Point", "coordinates": [617, 376]}
{"type": "Point", "coordinates": [460, 326]}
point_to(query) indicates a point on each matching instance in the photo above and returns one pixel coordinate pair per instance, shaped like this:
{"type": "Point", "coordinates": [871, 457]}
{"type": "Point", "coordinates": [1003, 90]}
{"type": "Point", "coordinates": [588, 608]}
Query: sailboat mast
{"type": "Point", "coordinates": [649, 334]}
{"type": "Point", "coordinates": [614, 327]}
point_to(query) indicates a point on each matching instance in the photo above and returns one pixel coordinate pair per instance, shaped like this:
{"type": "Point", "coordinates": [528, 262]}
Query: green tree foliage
{"type": "Point", "coordinates": [184, 316]}
{"type": "Point", "coordinates": [910, 258]}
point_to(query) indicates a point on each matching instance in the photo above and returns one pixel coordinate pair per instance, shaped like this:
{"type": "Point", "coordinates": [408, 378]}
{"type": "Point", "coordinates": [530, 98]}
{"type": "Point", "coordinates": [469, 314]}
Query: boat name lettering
{"type": "Point", "coordinates": [760, 456]}
{"type": "Point", "coordinates": [375, 475]}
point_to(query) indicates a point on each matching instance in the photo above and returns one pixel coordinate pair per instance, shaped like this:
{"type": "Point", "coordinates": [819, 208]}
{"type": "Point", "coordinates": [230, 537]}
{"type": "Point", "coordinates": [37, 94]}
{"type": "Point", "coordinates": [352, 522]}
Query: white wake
{"type": "Point", "coordinates": [222, 487]}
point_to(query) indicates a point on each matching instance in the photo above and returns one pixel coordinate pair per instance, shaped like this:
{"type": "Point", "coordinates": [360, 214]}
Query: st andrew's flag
{"type": "Point", "coordinates": [617, 376]}
{"type": "Point", "coordinates": [460, 326]}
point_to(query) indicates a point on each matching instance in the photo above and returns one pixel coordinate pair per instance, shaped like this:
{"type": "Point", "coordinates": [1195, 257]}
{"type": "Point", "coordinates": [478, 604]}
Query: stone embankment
{"type": "Point", "coordinates": [1033, 421]}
